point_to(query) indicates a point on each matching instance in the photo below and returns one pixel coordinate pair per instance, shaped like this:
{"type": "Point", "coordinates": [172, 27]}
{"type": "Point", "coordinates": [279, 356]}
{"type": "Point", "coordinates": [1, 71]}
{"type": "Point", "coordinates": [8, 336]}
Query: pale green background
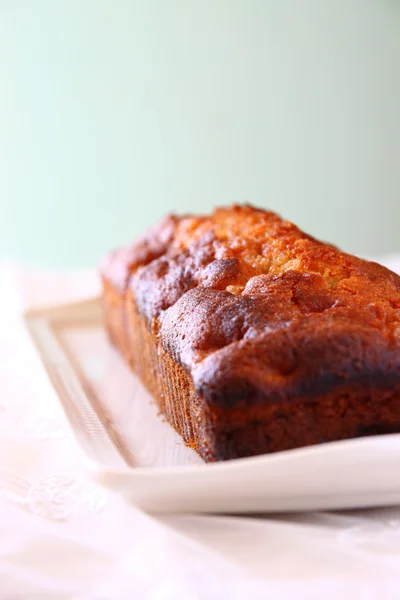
{"type": "Point", "coordinates": [114, 112]}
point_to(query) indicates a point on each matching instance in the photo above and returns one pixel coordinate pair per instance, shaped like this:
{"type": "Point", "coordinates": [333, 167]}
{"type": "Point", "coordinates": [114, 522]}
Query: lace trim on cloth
{"type": "Point", "coordinates": [58, 497]}
{"type": "Point", "coordinates": [33, 438]}
{"type": "Point", "coordinates": [33, 427]}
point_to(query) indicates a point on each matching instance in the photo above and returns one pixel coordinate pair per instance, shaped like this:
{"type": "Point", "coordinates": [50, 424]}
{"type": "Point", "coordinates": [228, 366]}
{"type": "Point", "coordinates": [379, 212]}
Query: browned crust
{"type": "Point", "coordinates": [253, 337]}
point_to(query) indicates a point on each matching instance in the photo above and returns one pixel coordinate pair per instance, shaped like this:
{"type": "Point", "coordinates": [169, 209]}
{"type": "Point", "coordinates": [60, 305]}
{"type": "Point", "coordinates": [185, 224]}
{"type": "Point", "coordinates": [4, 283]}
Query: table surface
{"type": "Point", "coordinates": [61, 536]}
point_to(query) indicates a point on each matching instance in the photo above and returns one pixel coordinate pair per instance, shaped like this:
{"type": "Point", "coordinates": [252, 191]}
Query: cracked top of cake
{"type": "Point", "coordinates": [249, 304]}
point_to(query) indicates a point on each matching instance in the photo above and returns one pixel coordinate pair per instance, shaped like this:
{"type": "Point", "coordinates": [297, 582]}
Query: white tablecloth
{"type": "Point", "coordinates": [63, 537]}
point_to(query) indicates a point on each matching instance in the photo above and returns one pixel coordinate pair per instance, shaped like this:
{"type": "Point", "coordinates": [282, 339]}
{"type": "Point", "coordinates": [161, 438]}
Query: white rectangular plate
{"type": "Point", "coordinates": [131, 449]}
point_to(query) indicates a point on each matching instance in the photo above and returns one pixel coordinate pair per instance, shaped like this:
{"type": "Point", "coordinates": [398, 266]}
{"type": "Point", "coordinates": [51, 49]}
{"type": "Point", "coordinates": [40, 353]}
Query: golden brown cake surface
{"type": "Point", "coordinates": [283, 341]}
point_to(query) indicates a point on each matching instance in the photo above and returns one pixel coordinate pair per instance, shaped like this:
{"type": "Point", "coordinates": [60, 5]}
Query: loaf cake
{"type": "Point", "coordinates": [254, 337]}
